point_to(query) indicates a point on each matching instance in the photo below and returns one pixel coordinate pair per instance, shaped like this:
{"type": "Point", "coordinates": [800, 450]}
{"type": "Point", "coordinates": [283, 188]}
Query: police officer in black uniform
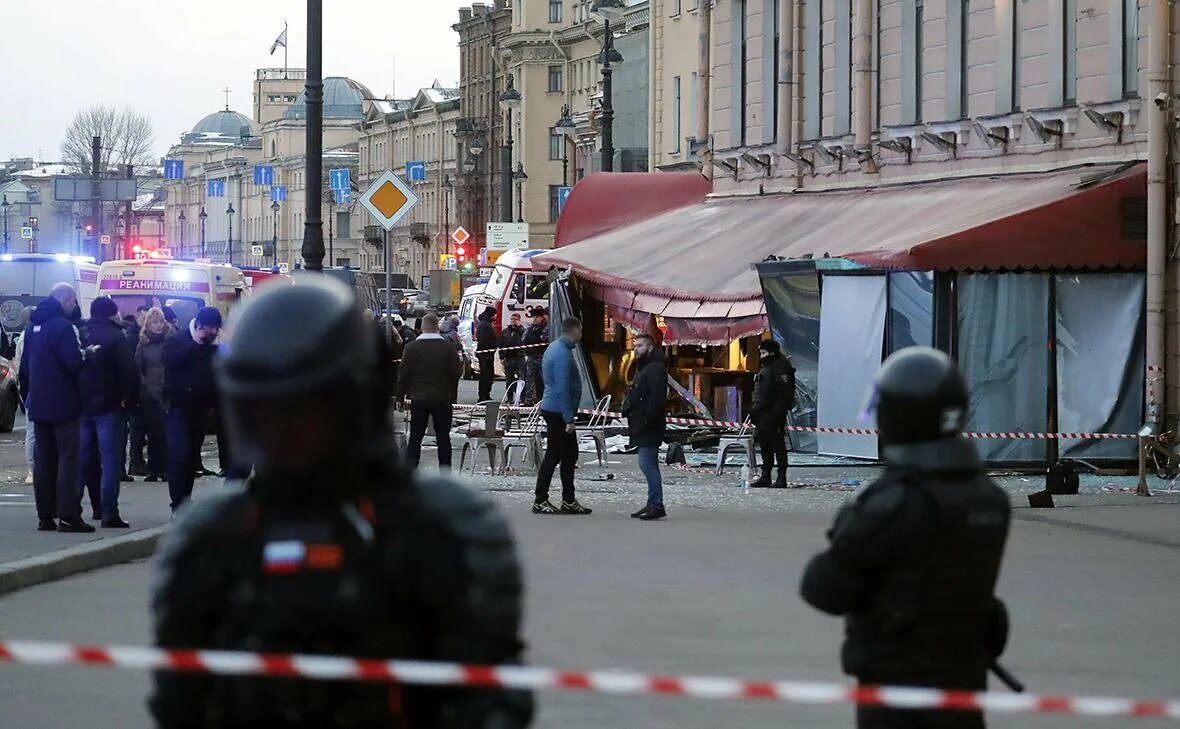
{"type": "Point", "coordinates": [333, 547]}
{"type": "Point", "coordinates": [536, 336]}
{"type": "Point", "coordinates": [774, 396]}
{"type": "Point", "coordinates": [913, 560]}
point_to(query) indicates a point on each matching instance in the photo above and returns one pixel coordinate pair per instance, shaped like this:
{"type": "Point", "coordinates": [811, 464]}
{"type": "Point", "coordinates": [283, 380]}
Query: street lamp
{"type": "Point", "coordinates": [448, 190]}
{"type": "Point", "coordinates": [6, 205]}
{"type": "Point", "coordinates": [313, 227]}
{"type": "Point", "coordinates": [509, 100]}
{"type": "Point", "coordinates": [202, 216]}
{"type": "Point", "coordinates": [229, 232]}
{"type": "Point", "coordinates": [519, 177]}
{"type": "Point", "coordinates": [567, 129]}
{"type": "Point", "coordinates": [608, 10]}
{"type": "Point", "coordinates": [181, 219]}
{"type": "Point", "coordinates": [274, 236]}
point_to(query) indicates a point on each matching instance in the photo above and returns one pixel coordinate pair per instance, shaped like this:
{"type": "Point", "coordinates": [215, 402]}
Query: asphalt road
{"type": "Point", "coordinates": [1093, 591]}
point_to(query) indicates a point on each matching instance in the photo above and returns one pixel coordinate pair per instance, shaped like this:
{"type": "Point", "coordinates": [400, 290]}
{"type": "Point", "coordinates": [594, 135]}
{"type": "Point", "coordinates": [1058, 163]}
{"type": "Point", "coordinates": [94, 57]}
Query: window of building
{"type": "Point", "coordinates": [740, 59]}
{"type": "Point", "coordinates": [343, 224]}
{"type": "Point", "coordinates": [676, 9]}
{"type": "Point", "coordinates": [813, 69]}
{"type": "Point", "coordinates": [556, 144]}
{"type": "Point", "coordinates": [555, 80]}
{"type": "Point", "coordinates": [553, 206]}
{"type": "Point", "coordinates": [677, 132]}
{"type": "Point", "coordinates": [842, 118]}
{"type": "Point", "coordinates": [555, 11]}
{"type": "Point", "coordinates": [1069, 60]}
{"type": "Point", "coordinates": [1130, 48]}
{"type": "Point", "coordinates": [342, 262]}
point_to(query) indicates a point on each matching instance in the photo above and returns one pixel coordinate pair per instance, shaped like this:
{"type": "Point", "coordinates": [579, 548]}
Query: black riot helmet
{"type": "Point", "coordinates": [301, 382]}
{"type": "Point", "coordinates": [918, 395]}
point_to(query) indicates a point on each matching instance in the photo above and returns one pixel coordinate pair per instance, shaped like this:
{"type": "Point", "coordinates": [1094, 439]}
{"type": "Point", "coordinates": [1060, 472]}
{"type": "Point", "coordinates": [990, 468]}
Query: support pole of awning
{"type": "Point", "coordinates": [1157, 209]}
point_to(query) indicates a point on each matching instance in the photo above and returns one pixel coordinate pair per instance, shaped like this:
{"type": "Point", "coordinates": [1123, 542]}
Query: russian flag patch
{"type": "Point", "coordinates": [283, 557]}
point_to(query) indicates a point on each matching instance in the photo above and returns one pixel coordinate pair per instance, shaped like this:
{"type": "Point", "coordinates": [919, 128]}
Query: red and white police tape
{"type": "Point", "coordinates": [854, 431]}
{"type": "Point", "coordinates": [339, 668]}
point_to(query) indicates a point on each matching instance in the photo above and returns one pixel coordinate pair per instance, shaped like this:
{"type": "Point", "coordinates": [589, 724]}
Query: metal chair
{"type": "Point", "coordinates": [510, 404]}
{"type": "Point", "coordinates": [744, 440]}
{"type": "Point", "coordinates": [596, 428]}
{"type": "Point", "coordinates": [401, 430]}
{"type": "Point", "coordinates": [490, 436]}
{"type": "Point", "coordinates": [528, 439]}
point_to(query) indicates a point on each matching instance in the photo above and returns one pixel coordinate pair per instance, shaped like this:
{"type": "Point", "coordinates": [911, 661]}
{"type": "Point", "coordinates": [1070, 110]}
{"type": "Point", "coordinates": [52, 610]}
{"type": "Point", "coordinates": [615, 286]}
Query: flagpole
{"type": "Point", "coordinates": [286, 42]}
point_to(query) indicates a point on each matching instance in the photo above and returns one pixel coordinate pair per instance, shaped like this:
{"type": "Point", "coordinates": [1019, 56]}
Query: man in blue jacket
{"type": "Point", "coordinates": [559, 407]}
{"type": "Point", "coordinates": [108, 382]}
{"type": "Point", "coordinates": [53, 357]}
{"type": "Point", "coordinates": [190, 393]}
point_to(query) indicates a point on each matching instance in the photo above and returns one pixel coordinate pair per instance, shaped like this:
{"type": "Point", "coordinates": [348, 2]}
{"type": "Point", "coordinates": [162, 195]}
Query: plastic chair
{"type": "Point", "coordinates": [490, 436]}
{"type": "Point", "coordinates": [596, 428]}
{"type": "Point", "coordinates": [528, 439]}
{"type": "Point", "coordinates": [744, 440]}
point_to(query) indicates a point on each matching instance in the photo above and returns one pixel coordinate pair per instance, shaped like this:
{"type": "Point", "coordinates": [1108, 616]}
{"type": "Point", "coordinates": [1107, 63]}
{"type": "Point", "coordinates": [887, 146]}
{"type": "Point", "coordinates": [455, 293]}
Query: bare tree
{"type": "Point", "coordinates": [127, 138]}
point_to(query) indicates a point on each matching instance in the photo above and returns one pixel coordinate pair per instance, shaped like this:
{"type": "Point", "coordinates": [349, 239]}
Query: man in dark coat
{"type": "Point", "coordinates": [136, 432]}
{"type": "Point", "coordinates": [536, 336]}
{"type": "Point", "coordinates": [647, 420]}
{"type": "Point", "coordinates": [191, 394]}
{"type": "Point", "coordinates": [108, 382]}
{"type": "Point", "coordinates": [486, 343]}
{"type": "Point", "coordinates": [429, 379]}
{"type": "Point", "coordinates": [913, 560]}
{"type": "Point", "coordinates": [774, 396]}
{"type": "Point", "coordinates": [53, 357]}
{"type": "Point", "coordinates": [513, 359]}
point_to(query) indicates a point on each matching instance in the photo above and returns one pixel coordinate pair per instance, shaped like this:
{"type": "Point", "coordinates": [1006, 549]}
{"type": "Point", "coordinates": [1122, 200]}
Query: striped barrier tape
{"type": "Point", "coordinates": [531, 678]}
{"type": "Point", "coordinates": [501, 349]}
{"type": "Point", "coordinates": [849, 431]}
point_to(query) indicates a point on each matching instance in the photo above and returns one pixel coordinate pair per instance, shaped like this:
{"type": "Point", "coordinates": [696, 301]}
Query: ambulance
{"type": "Point", "coordinates": [513, 288]}
{"type": "Point", "coordinates": [185, 286]}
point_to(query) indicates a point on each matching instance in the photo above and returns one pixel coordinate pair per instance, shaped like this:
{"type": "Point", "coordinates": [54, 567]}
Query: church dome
{"type": "Point", "coordinates": [343, 99]}
{"type": "Point", "coordinates": [224, 125]}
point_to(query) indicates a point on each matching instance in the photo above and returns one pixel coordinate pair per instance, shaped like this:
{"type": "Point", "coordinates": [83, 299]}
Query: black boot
{"type": "Point", "coordinates": [763, 481]}
{"type": "Point", "coordinates": [781, 481]}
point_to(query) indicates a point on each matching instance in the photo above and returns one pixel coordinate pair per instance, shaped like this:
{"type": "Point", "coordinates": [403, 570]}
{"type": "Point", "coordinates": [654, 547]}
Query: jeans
{"type": "Point", "coordinates": [440, 416]}
{"type": "Point", "coordinates": [186, 432]}
{"type": "Point", "coordinates": [137, 438]}
{"type": "Point", "coordinates": [560, 448]}
{"type": "Point", "coordinates": [153, 416]}
{"type": "Point", "coordinates": [649, 464]}
{"type": "Point", "coordinates": [30, 444]}
{"type": "Point", "coordinates": [55, 470]}
{"type": "Point", "coordinates": [100, 445]}
{"type": "Point", "coordinates": [487, 375]}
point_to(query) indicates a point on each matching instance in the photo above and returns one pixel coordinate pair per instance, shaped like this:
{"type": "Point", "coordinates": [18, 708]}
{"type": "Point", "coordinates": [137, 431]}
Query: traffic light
{"type": "Point", "coordinates": [89, 229]}
{"type": "Point", "coordinates": [468, 266]}
{"type": "Point", "coordinates": [461, 256]}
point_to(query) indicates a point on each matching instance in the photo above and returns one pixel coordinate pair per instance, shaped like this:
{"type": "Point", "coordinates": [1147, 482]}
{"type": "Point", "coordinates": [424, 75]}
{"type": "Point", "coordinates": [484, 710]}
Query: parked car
{"type": "Point", "coordinates": [419, 305]}
{"type": "Point", "coordinates": [8, 396]}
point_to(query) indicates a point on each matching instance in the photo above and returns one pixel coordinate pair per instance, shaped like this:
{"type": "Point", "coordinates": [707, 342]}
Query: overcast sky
{"type": "Point", "coordinates": [171, 59]}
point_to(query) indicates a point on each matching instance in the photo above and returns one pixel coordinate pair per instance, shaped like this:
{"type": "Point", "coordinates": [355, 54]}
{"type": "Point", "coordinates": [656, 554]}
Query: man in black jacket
{"type": "Point", "coordinates": [108, 382]}
{"type": "Point", "coordinates": [429, 379]}
{"type": "Point", "coordinates": [774, 396]}
{"type": "Point", "coordinates": [536, 336]}
{"type": "Point", "coordinates": [53, 357]}
{"type": "Point", "coordinates": [486, 343]}
{"type": "Point", "coordinates": [332, 547]}
{"type": "Point", "coordinates": [190, 394]}
{"type": "Point", "coordinates": [913, 560]}
{"type": "Point", "coordinates": [513, 359]}
{"type": "Point", "coordinates": [647, 420]}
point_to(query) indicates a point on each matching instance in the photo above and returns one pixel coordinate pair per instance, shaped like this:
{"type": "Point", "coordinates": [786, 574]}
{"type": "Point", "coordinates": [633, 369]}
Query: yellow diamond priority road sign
{"type": "Point", "coordinates": [388, 199]}
{"type": "Point", "coordinates": [460, 235]}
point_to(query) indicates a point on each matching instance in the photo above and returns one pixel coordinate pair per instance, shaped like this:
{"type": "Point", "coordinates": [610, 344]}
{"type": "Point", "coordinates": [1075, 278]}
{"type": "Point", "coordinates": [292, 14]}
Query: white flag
{"type": "Point", "coordinates": [280, 41]}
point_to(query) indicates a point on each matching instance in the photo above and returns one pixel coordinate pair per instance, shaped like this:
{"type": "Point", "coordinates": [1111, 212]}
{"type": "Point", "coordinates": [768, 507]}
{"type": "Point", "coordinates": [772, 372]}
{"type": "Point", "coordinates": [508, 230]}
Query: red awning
{"type": "Point", "coordinates": [668, 263]}
{"type": "Point", "coordinates": [607, 200]}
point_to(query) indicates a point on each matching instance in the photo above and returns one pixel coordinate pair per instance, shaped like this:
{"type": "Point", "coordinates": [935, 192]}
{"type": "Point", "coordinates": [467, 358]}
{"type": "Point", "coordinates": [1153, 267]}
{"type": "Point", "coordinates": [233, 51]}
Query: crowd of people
{"type": "Point", "coordinates": [112, 397]}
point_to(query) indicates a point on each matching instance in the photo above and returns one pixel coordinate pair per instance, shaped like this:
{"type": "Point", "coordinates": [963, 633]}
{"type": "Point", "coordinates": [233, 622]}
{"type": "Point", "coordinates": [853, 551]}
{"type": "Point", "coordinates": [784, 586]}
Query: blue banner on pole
{"type": "Point", "coordinates": [278, 193]}
{"type": "Point", "coordinates": [339, 179]}
{"type": "Point", "coordinates": [215, 188]}
{"type": "Point", "coordinates": [173, 169]}
{"type": "Point", "coordinates": [563, 194]}
{"type": "Point", "coordinates": [264, 175]}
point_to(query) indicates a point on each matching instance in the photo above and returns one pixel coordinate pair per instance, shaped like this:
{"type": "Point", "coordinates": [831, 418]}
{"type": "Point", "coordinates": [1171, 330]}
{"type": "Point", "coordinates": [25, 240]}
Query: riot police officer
{"type": "Point", "coordinates": [333, 547]}
{"type": "Point", "coordinates": [774, 396]}
{"type": "Point", "coordinates": [913, 560]}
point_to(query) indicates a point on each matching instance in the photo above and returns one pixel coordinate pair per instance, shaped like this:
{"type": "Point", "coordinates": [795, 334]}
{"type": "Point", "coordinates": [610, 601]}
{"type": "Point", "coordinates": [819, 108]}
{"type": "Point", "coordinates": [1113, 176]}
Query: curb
{"type": "Point", "coordinates": [63, 563]}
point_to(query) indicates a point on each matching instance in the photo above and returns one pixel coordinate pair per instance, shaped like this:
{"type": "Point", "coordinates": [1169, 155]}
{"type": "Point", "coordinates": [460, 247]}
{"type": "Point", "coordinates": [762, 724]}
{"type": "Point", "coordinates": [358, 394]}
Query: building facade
{"type": "Point", "coordinates": [396, 134]}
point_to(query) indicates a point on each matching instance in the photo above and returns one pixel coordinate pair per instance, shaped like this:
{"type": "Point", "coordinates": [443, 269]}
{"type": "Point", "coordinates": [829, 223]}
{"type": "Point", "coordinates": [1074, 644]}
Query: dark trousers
{"type": "Point", "coordinates": [100, 469]}
{"type": "Point", "coordinates": [440, 416]}
{"type": "Point", "coordinates": [55, 470]}
{"type": "Point", "coordinates": [772, 442]}
{"type": "Point", "coordinates": [876, 717]}
{"type": "Point", "coordinates": [535, 388]}
{"type": "Point", "coordinates": [137, 436]}
{"type": "Point", "coordinates": [153, 417]}
{"type": "Point", "coordinates": [513, 370]}
{"type": "Point", "coordinates": [560, 448]}
{"type": "Point", "coordinates": [487, 375]}
{"type": "Point", "coordinates": [186, 431]}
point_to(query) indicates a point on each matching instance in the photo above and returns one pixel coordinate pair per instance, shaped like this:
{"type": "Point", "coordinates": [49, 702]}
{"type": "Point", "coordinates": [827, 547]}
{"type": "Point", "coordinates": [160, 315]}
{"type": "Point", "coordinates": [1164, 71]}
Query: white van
{"type": "Point", "coordinates": [26, 278]}
{"type": "Point", "coordinates": [185, 286]}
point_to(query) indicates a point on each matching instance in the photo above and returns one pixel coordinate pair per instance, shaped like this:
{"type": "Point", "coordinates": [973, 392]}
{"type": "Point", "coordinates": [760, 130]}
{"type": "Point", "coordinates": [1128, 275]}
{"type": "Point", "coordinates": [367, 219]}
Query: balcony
{"type": "Point", "coordinates": [374, 234]}
{"type": "Point", "coordinates": [420, 231]}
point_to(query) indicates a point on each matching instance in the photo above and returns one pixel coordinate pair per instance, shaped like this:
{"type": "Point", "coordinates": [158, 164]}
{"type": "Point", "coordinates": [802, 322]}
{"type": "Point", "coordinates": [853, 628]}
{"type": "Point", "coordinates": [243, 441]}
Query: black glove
{"type": "Point", "coordinates": [997, 628]}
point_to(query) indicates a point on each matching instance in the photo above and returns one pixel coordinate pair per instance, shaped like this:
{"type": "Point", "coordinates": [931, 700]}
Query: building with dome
{"type": "Point", "coordinates": [225, 147]}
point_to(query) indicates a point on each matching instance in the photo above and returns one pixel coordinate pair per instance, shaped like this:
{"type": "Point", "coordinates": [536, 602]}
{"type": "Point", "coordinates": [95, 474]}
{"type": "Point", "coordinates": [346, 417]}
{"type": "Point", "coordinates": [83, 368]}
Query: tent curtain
{"type": "Point", "coordinates": [1100, 360]}
{"type": "Point", "coordinates": [791, 291]}
{"type": "Point", "coordinates": [851, 334]}
{"type": "Point", "coordinates": [911, 310]}
{"type": "Point", "coordinates": [1003, 338]}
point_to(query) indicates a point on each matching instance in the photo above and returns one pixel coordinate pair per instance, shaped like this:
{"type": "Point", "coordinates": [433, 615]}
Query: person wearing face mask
{"type": "Point", "coordinates": [52, 359]}
{"type": "Point", "coordinates": [190, 393]}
